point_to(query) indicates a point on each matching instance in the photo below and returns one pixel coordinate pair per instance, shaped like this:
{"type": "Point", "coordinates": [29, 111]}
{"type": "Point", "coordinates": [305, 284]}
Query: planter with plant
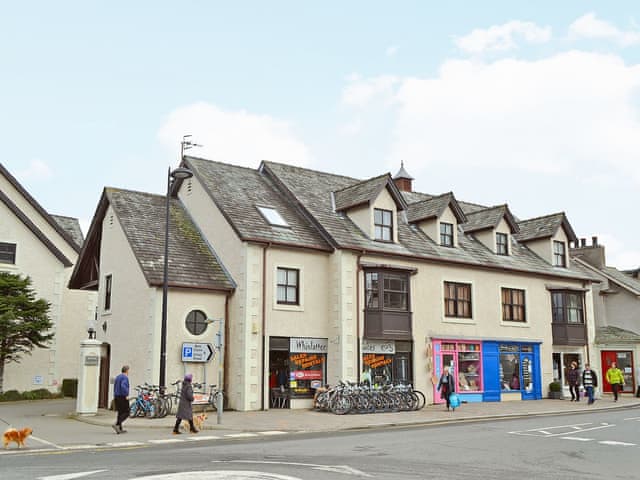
{"type": "Point", "coordinates": [555, 390]}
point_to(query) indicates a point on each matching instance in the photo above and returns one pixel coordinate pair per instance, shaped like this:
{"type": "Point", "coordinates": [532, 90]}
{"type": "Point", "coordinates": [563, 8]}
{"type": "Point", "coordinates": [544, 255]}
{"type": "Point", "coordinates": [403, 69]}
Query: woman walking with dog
{"type": "Point", "coordinates": [185, 412]}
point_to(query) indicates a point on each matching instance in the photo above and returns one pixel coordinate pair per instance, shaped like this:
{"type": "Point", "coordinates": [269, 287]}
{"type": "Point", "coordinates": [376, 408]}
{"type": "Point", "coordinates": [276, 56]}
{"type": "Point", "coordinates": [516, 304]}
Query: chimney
{"type": "Point", "coordinates": [403, 180]}
{"type": "Point", "coordinates": [583, 242]}
{"type": "Point", "coordinates": [594, 241]}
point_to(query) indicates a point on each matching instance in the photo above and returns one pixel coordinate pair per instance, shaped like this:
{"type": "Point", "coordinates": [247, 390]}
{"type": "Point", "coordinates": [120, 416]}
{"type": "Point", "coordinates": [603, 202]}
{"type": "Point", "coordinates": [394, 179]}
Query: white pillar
{"type": "Point", "coordinates": [88, 380]}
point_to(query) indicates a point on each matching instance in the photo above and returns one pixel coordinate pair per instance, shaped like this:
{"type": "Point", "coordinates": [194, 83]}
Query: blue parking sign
{"type": "Point", "coordinates": [187, 351]}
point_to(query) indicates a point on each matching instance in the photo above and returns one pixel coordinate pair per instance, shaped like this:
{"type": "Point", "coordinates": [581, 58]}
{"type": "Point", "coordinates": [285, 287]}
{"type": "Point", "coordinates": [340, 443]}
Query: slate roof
{"type": "Point", "coordinates": [311, 190]}
{"type": "Point", "coordinates": [192, 262]}
{"type": "Point", "coordinates": [489, 218]}
{"type": "Point", "coordinates": [545, 227]}
{"type": "Point", "coordinates": [72, 227]}
{"type": "Point", "coordinates": [610, 334]}
{"type": "Point", "coordinates": [238, 191]}
{"type": "Point", "coordinates": [434, 207]}
{"type": "Point", "coordinates": [367, 191]}
{"type": "Point", "coordinates": [612, 274]}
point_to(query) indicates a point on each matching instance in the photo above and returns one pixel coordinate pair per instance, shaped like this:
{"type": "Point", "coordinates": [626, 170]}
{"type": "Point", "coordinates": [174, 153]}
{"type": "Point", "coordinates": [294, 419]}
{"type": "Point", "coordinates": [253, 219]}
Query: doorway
{"type": "Point", "coordinates": [624, 361]}
{"type": "Point", "coordinates": [103, 381]}
{"type": "Point", "coordinates": [278, 378]}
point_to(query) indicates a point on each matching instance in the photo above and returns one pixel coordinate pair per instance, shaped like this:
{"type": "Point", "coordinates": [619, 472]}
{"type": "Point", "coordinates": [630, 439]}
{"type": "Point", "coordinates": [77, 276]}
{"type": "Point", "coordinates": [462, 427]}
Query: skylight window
{"type": "Point", "coordinates": [272, 216]}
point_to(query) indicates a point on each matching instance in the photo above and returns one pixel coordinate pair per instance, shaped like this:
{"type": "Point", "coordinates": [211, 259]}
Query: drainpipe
{"type": "Point", "coordinates": [264, 322]}
{"type": "Point", "coordinates": [225, 359]}
{"type": "Point", "coordinates": [359, 355]}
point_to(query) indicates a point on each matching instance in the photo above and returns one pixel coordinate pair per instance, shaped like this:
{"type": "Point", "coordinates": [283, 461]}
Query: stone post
{"type": "Point", "coordinates": [88, 380]}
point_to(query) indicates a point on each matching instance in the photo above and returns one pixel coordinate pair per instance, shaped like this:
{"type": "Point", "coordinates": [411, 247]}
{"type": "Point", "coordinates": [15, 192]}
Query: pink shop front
{"type": "Point", "coordinates": [489, 370]}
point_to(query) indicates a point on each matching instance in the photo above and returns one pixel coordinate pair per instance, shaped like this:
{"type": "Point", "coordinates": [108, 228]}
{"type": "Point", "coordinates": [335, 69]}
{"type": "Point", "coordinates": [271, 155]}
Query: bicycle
{"type": "Point", "coordinates": [214, 394]}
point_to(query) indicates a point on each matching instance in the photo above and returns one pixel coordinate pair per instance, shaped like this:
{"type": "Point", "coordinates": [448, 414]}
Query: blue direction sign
{"type": "Point", "coordinates": [197, 352]}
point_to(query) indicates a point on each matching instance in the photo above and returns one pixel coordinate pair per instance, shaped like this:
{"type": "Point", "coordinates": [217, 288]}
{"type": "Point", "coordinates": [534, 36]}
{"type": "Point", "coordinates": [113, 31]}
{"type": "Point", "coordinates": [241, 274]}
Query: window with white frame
{"type": "Point", "coordinates": [383, 224]}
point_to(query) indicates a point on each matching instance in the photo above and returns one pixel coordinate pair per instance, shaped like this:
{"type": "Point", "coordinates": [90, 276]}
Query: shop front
{"type": "Point", "coordinates": [386, 362]}
{"type": "Point", "coordinates": [297, 367]}
{"type": "Point", "coordinates": [624, 361]}
{"type": "Point", "coordinates": [489, 371]}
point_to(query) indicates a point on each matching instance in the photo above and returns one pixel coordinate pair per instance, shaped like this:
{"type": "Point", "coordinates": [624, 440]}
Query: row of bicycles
{"type": "Point", "coordinates": [349, 397]}
{"type": "Point", "coordinates": [151, 402]}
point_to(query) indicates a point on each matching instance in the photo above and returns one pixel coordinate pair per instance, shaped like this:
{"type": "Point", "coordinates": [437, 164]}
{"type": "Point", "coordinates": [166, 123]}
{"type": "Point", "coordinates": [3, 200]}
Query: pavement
{"type": "Point", "coordinates": [56, 426]}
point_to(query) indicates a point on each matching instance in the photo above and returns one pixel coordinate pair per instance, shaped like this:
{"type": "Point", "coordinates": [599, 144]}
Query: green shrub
{"type": "Point", "coordinates": [11, 396]}
{"type": "Point", "coordinates": [555, 387]}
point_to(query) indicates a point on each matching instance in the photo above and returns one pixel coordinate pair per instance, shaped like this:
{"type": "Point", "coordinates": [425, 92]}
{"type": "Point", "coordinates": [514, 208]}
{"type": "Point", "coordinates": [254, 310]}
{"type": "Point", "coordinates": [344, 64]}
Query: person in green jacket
{"type": "Point", "coordinates": [616, 379]}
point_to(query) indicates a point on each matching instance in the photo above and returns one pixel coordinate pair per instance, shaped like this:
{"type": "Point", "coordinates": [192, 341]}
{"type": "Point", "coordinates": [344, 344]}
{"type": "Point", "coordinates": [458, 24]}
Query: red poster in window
{"type": "Point", "coordinates": [307, 374]}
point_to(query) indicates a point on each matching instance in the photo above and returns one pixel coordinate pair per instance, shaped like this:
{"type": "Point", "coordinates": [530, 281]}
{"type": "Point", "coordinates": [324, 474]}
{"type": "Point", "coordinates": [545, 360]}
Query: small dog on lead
{"type": "Point", "coordinates": [15, 435]}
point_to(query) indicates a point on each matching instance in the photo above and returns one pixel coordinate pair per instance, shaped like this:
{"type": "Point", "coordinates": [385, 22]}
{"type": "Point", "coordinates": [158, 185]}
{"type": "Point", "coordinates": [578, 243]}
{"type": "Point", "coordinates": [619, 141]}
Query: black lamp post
{"type": "Point", "coordinates": [178, 174]}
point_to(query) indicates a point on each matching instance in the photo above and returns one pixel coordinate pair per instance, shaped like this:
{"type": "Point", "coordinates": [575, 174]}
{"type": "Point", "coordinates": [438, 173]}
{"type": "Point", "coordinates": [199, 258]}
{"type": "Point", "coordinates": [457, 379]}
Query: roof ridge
{"type": "Point", "coordinates": [363, 181]}
{"type": "Point", "coordinates": [543, 216]}
{"type": "Point", "coordinates": [312, 170]}
{"type": "Point", "coordinates": [193, 157]}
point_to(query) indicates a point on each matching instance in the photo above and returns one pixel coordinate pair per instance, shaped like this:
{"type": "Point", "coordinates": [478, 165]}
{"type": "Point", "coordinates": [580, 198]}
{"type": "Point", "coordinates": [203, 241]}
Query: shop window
{"type": "Point", "coordinates": [457, 299]}
{"type": "Point", "coordinates": [7, 253]}
{"type": "Point", "coordinates": [307, 371]}
{"type": "Point", "coordinates": [513, 309]}
{"type": "Point", "coordinates": [464, 360]}
{"type": "Point", "coordinates": [516, 367]}
{"type": "Point", "coordinates": [196, 322]}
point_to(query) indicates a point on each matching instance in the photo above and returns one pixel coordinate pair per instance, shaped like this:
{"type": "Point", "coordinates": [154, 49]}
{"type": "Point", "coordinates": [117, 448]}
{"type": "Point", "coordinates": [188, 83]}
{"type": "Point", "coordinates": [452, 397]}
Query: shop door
{"type": "Point", "coordinates": [527, 377]}
{"type": "Point", "coordinates": [624, 360]}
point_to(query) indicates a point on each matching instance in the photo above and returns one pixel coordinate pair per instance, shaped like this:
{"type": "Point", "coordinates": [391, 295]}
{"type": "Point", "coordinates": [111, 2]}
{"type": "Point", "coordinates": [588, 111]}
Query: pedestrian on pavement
{"type": "Point", "coordinates": [446, 386]}
{"type": "Point", "coordinates": [121, 398]}
{"type": "Point", "coordinates": [185, 412]}
{"type": "Point", "coordinates": [616, 379]}
{"type": "Point", "coordinates": [590, 382]}
{"type": "Point", "coordinates": [573, 378]}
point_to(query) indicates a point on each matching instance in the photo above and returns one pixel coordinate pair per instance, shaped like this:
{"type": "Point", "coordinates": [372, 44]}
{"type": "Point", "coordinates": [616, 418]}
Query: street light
{"type": "Point", "coordinates": [178, 174]}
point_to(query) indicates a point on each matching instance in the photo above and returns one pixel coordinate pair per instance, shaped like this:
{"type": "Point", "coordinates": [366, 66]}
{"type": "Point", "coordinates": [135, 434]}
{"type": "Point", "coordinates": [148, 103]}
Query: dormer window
{"type": "Point", "coordinates": [502, 244]}
{"type": "Point", "coordinates": [272, 216]}
{"type": "Point", "coordinates": [446, 234]}
{"type": "Point", "coordinates": [383, 224]}
{"type": "Point", "coordinates": [559, 254]}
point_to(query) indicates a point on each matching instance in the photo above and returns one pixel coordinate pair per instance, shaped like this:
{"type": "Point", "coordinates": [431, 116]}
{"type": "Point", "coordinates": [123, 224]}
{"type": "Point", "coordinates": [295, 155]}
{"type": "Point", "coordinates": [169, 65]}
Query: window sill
{"type": "Point", "coordinates": [515, 324]}
{"type": "Point", "coordinates": [462, 320]}
{"type": "Point", "coordinates": [288, 308]}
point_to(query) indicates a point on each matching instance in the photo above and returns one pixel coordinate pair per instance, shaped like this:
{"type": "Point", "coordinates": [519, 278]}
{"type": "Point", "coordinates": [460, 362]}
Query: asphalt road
{"type": "Point", "coordinates": [590, 446]}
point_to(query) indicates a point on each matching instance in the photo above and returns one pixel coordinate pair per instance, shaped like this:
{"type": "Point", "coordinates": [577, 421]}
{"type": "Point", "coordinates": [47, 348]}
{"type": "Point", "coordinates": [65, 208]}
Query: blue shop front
{"type": "Point", "coordinates": [490, 370]}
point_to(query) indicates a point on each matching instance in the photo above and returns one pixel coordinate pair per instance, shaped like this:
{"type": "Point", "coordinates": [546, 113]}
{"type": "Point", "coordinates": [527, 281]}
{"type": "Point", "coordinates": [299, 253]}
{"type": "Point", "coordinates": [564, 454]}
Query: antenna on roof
{"type": "Point", "coordinates": [186, 144]}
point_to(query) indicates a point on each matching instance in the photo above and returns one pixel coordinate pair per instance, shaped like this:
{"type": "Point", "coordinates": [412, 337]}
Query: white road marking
{"type": "Point", "coordinates": [167, 440]}
{"type": "Point", "coordinates": [343, 469]}
{"type": "Point", "coordinates": [241, 435]}
{"type": "Point", "coordinates": [578, 439]}
{"type": "Point", "coordinates": [71, 476]}
{"type": "Point", "coordinates": [203, 437]}
{"type": "Point", "coordinates": [536, 432]}
{"type": "Point", "coordinates": [623, 444]}
{"type": "Point", "coordinates": [220, 475]}
{"type": "Point", "coordinates": [633, 418]}
{"type": "Point", "coordinates": [123, 444]}
{"type": "Point", "coordinates": [46, 442]}
{"type": "Point", "coordinates": [272, 432]}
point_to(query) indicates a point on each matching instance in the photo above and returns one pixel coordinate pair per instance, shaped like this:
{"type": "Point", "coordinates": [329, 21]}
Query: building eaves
{"type": "Point", "coordinates": [611, 274]}
{"type": "Point", "coordinates": [36, 206]}
{"type": "Point", "coordinates": [39, 234]}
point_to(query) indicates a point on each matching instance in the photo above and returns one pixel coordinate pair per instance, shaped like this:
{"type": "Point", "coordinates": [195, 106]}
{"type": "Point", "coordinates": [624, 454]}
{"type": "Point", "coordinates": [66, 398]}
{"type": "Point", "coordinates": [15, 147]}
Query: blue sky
{"type": "Point", "coordinates": [534, 104]}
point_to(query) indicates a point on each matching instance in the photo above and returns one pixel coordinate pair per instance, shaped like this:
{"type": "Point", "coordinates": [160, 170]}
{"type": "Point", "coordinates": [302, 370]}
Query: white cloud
{"type": "Point", "coordinates": [502, 37]}
{"type": "Point", "coordinates": [237, 137]}
{"type": "Point", "coordinates": [37, 170]}
{"type": "Point", "coordinates": [589, 26]}
{"type": "Point", "coordinates": [391, 51]}
{"type": "Point", "coordinates": [618, 254]}
{"type": "Point", "coordinates": [552, 115]}
{"type": "Point", "coordinates": [360, 92]}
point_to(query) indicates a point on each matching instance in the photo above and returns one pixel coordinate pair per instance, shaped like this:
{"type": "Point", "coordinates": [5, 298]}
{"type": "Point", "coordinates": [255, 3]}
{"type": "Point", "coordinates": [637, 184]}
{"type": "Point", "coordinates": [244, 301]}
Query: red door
{"type": "Point", "coordinates": [624, 361]}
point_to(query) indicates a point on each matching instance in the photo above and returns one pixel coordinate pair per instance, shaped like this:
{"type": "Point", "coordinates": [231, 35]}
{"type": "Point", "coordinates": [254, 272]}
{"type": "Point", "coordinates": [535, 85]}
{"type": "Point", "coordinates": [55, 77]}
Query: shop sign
{"type": "Point", "coordinates": [308, 345]}
{"type": "Point", "coordinates": [306, 375]}
{"type": "Point", "coordinates": [380, 347]}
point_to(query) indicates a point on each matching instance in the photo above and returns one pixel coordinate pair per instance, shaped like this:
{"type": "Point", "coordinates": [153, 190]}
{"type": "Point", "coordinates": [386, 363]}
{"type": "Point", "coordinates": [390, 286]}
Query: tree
{"type": "Point", "coordinates": [24, 320]}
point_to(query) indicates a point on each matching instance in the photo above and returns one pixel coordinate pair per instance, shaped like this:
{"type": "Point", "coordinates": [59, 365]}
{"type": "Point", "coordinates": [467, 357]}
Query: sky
{"type": "Point", "coordinates": [533, 104]}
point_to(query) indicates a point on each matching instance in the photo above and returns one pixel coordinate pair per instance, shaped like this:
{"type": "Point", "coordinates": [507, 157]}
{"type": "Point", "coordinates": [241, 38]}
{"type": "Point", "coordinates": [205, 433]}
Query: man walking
{"type": "Point", "coordinates": [616, 379]}
{"type": "Point", "coordinates": [589, 381]}
{"type": "Point", "coordinates": [121, 398]}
